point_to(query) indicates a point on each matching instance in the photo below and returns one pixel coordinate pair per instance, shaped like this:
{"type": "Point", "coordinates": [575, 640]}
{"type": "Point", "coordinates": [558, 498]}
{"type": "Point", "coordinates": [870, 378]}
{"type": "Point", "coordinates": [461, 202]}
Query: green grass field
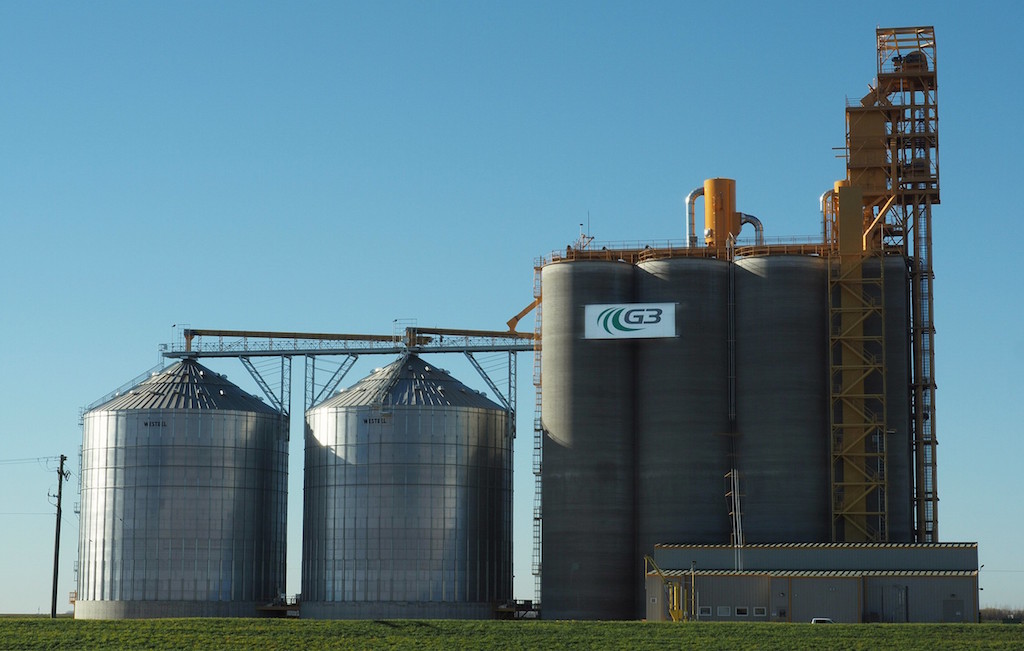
{"type": "Point", "coordinates": [422, 635]}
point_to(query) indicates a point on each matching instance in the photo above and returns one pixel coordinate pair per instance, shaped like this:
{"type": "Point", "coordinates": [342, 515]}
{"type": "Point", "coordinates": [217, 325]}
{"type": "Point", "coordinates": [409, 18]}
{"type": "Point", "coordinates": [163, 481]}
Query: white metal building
{"type": "Point", "coordinates": [795, 582]}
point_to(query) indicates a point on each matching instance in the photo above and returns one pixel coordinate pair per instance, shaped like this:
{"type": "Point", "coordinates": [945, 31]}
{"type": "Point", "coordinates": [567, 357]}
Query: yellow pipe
{"type": "Point", "coordinates": [720, 217]}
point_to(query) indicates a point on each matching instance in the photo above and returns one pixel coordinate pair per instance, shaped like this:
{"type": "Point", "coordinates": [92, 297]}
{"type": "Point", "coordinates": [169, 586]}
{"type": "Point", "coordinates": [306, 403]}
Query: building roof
{"type": "Point", "coordinates": [409, 381]}
{"type": "Point", "coordinates": [809, 558]}
{"type": "Point", "coordinates": [827, 545]}
{"type": "Point", "coordinates": [853, 574]}
{"type": "Point", "coordinates": [185, 385]}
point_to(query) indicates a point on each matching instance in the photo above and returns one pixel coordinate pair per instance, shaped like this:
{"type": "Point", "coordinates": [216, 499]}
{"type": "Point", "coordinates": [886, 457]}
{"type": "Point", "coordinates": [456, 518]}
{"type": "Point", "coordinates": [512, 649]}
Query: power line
{"type": "Point", "coordinates": [11, 462]}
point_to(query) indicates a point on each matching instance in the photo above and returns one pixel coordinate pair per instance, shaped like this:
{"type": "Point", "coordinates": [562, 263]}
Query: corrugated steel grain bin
{"type": "Point", "coordinates": [407, 505]}
{"type": "Point", "coordinates": [184, 490]}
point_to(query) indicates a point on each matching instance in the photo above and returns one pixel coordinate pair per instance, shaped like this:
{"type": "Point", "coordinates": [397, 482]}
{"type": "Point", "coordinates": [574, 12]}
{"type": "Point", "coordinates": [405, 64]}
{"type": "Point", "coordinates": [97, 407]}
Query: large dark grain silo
{"type": "Point", "coordinates": [589, 568]}
{"type": "Point", "coordinates": [899, 450]}
{"type": "Point", "coordinates": [782, 398]}
{"type": "Point", "coordinates": [682, 407]}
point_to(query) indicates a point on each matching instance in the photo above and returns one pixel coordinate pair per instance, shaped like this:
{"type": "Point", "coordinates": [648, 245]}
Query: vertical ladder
{"type": "Point", "coordinates": [538, 439]}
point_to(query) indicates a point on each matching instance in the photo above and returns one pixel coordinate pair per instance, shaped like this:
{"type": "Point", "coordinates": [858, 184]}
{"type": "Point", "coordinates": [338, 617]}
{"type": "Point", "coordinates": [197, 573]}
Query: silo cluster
{"type": "Point", "coordinates": [407, 504]}
{"type": "Point", "coordinates": [642, 436]}
{"type": "Point", "coordinates": [719, 395]}
{"type": "Point", "coordinates": [184, 488]}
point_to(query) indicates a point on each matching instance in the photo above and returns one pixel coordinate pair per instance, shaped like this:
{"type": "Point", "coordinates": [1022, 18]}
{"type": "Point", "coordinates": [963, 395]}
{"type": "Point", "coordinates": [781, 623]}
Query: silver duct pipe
{"type": "Point", "coordinates": [825, 196]}
{"type": "Point", "coordinates": [691, 199]}
{"type": "Point", "coordinates": [758, 227]}
{"type": "Point", "coordinates": [821, 200]}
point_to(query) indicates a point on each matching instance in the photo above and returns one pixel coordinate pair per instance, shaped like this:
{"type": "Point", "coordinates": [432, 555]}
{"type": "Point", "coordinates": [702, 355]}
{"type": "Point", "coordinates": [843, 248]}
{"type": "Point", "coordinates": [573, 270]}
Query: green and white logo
{"type": "Point", "coordinates": [630, 321]}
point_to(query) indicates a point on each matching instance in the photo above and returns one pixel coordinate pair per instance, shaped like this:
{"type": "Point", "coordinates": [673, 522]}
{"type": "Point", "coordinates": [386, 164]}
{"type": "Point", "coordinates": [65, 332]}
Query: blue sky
{"type": "Point", "coordinates": [318, 166]}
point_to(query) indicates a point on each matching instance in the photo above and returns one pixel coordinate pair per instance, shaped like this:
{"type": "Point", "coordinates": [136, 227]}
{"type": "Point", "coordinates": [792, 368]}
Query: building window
{"type": "Point", "coordinates": [724, 611]}
{"type": "Point", "coordinates": [760, 611]}
{"type": "Point", "coordinates": [742, 611]}
{"type": "Point", "coordinates": [704, 611]}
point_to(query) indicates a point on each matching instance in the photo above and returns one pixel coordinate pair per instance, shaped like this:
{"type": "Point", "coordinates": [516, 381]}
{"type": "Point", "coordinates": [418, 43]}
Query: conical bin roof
{"type": "Point", "coordinates": [186, 385]}
{"type": "Point", "coordinates": [410, 382]}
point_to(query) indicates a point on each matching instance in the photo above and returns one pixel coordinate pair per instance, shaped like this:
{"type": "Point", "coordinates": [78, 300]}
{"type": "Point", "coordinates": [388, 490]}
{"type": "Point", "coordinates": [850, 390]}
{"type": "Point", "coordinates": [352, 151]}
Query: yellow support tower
{"type": "Point", "coordinates": [857, 375]}
{"type": "Point", "coordinates": [892, 158]}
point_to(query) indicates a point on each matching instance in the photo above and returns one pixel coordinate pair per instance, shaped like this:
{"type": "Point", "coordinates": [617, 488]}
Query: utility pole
{"type": "Point", "coordinates": [61, 476]}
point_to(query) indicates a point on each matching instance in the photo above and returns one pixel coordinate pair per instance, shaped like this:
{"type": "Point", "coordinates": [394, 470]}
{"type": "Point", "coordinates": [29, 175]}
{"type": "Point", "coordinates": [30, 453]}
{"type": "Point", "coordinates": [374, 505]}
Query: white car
{"type": "Point", "coordinates": [822, 620]}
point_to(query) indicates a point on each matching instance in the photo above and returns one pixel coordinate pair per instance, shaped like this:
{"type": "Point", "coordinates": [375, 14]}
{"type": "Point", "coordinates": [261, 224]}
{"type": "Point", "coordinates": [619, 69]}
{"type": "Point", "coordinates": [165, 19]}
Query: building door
{"type": "Point", "coordinates": [952, 610]}
{"type": "Point", "coordinates": [894, 604]}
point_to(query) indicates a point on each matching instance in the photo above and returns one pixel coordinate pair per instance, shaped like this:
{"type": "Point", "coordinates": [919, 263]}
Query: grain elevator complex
{"type": "Point", "coordinates": [730, 427]}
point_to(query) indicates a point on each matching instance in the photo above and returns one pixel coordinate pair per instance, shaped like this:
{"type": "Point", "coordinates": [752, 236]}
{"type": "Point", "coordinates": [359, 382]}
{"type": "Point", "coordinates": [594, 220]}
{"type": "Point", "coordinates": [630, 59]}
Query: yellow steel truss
{"type": "Point", "coordinates": [857, 376]}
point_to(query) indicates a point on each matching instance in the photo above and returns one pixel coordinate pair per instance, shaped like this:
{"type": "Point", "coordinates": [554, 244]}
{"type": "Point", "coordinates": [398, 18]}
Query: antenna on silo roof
{"type": "Point", "coordinates": [584, 239]}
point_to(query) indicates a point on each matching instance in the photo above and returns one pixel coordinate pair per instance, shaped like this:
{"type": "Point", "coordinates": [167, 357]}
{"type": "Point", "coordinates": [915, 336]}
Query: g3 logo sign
{"type": "Point", "coordinates": [645, 316]}
{"type": "Point", "coordinates": [619, 319]}
{"type": "Point", "coordinates": [630, 321]}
